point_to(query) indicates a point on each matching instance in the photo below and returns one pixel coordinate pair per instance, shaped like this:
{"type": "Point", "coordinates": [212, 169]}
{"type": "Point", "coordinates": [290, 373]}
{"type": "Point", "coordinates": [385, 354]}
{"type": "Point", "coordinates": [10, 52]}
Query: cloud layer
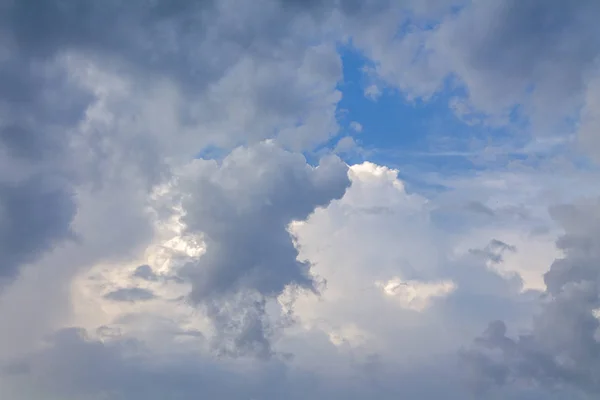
{"type": "Point", "coordinates": [174, 222]}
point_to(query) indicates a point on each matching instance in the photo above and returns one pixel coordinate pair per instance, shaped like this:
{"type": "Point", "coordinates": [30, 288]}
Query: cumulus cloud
{"type": "Point", "coordinates": [422, 276]}
{"type": "Point", "coordinates": [242, 208]}
{"type": "Point", "coordinates": [339, 347]}
{"type": "Point", "coordinates": [100, 115]}
{"type": "Point", "coordinates": [561, 348]}
{"type": "Point", "coordinates": [133, 268]}
{"type": "Point", "coordinates": [536, 57]}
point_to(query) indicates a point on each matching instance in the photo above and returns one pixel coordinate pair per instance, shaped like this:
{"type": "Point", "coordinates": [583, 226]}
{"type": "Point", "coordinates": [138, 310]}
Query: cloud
{"type": "Point", "coordinates": [158, 45]}
{"type": "Point", "coordinates": [75, 365]}
{"type": "Point", "coordinates": [494, 250]}
{"type": "Point", "coordinates": [354, 237]}
{"type": "Point", "coordinates": [26, 228]}
{"type": "Point", "coordinates": [356, 126]}
{"type": "Point", "coordinates": [35, 162]}
{"type": "Point", "coordinates": [130, 295]}
{"type": "Point", "coordinates": [339, 347]}
{"type": "Point", "coordinates": [383, 248]}
{"type": "Point", "coordinates": [536, 56]}
{"type": "Point", "coordinates": [145, 272]}
{"type": "Point", "coordinates": [242, 209]}
{"type": "Point", "coordinates": [561, 347]}
{"type": "Point", "coordinates": [145, 82]}
{"type": "Point", "coordinates": [101, 117]}
{"type": "Point", "coordinates": [590, 120]}
{"type": "Point", "coordinates": [133, 269]}
{"type": "Point", "coordinates": [416, 295]}
{"type": "Point", "coordinates": [347, 145]}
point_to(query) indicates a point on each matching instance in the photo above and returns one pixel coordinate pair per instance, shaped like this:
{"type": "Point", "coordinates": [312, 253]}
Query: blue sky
{"type": "Point", "coordinates": [421, 133]}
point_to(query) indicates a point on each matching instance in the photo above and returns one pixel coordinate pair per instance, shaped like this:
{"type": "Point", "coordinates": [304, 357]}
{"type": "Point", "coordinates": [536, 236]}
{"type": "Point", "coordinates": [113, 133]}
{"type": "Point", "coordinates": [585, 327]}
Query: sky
{"type": "Point", "coordinates": [292, 199]}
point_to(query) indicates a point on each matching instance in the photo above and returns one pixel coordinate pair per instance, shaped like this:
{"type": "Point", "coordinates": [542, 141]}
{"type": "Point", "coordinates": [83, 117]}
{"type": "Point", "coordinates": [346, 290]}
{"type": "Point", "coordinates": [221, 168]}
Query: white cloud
{"type": "Point", "coordinates": [356, 126]}
{"type": "Point", "coordinates": [415, 295]}
{"type": "Point", "coordinates": [373, 92]}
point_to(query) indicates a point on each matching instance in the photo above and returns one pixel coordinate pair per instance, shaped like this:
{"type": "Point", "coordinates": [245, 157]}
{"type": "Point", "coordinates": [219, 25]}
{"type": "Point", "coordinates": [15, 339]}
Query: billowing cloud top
{"type": "Point", "coordinates": [299, 199]}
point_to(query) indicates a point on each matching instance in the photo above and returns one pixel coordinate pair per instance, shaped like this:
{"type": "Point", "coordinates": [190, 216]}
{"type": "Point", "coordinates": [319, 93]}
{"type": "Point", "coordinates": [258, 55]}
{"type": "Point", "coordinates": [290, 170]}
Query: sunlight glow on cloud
{"type": "Point", "coordinates": [415, 295]}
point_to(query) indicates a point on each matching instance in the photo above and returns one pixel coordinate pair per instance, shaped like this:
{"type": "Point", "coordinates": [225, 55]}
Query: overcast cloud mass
{"type": "Point", "coordinates": [294, 199]}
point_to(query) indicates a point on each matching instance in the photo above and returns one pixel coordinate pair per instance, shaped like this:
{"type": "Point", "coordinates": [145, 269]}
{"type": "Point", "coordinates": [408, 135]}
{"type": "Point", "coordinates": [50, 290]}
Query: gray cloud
{"type": "Point", "coordinates": [225, 60]}
{"type": "Point", "coordinates": [37, 200]}
{"type": "Point", "coordinates": [243, 207]}
{"type": "Point", "coordinates": [75, 365]}
{"type": "Point", "coordinates": [165, 39]}
{"type": "Point", "coordinates": [494, 251]}
{"type": "Point", "coordinates": [49, 54]}
{"type": "Point", "coordinates": [34, 216]}
{"type": "Point", "coordinates": [538, 55]}
{"type": "Point", "coordinates": [131, 295]}
{"type": "Point", "coordinates": [562, 346]}
{"type": "Point", "coordinates": [101, 95]}
{"type": "Point", "coordinates": [480, 208]}
{"type": "Point", "coordinates": [145, 272]}
{"type": "Point", "coordinates": [105, 98]}
{"type": "Point", "coordinates": [137, 33]}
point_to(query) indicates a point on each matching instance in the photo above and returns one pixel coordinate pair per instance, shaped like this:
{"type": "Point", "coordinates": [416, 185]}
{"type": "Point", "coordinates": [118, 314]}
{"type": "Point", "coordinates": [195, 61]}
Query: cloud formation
{"type": "Point", "coordinates": [173, 223]}
{"type": "Point", "coordinates": [561, 347]}
{"type": "Point", "coordinates": [506, 59]}
{"type": "Point", "coordinates": [242, 208]}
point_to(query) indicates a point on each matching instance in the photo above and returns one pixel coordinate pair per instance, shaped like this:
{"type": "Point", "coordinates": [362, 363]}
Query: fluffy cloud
{"type": "Point", "coordinates": [242, 208]}
{"type": "Point", "coordinates": [337, 337]}
{"type": "Point", "coordinates": [100, 115]}
{"type": "Point", "coordinates": [561, 347]}
{"type": "Point", "coordinates": [536, 57]}
{"type": "Point", "coordinates": [166, 233]}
